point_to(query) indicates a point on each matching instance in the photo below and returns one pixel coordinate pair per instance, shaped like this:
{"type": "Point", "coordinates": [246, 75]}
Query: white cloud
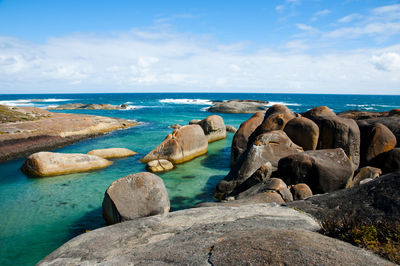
{"type": "Point", "coordinates": [280, 8]}
{"type": "Point", "coordinates": [176, 62]}
{"type": "Point", "coordinates": [349, 18]}
{"type": "Point", "coordinates": [389, 61]}
{"type": "Point", "coordinates": [322, 12]}
{"type": "Point", "coordinates": [304, 27]}
{"type": "Point", "coordinates": [386, 9]}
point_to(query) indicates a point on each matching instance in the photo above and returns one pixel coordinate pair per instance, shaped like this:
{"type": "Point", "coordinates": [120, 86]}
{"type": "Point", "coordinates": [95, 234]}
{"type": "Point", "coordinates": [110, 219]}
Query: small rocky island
{"type": "Point", "coordinates": [25, 130]}
{"type": "Point", "coordinates": [89, 106]}
{"type": "Point", "coordinates": [300, 187]}
{"type": "Point", "coordinates": [238, 106]}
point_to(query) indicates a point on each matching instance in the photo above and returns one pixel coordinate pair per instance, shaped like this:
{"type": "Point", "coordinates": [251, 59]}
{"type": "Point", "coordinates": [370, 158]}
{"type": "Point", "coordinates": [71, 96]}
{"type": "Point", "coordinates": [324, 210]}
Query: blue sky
{"type": "Point", "coordinates": [314, 46]}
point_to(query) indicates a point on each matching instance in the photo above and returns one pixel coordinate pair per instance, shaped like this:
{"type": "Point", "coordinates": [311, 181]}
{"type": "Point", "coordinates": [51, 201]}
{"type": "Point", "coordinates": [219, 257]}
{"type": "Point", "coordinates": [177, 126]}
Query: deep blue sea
{"type": "Point", "coordinates": [37, 215]}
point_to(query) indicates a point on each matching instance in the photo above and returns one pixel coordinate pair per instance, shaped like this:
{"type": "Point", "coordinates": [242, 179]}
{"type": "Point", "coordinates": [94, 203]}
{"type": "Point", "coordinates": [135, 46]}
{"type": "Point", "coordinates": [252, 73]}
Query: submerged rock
{"type": "Point", "coordinates": [161, 165]}
{"type": "Point", "coordinates": [43, 164]}
{"type": "Point", "coordinates": [134, 196]}
{"type": "Point", "coordinates": [112, 153]}
{"type": "Point", "coordinates": [230, 129]}
{"type": "Point", "coordinates": [182, 145]}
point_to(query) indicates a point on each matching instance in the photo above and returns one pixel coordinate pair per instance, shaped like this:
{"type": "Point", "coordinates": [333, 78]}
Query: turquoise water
{"type": "Point", "coordinates": [39, 215]}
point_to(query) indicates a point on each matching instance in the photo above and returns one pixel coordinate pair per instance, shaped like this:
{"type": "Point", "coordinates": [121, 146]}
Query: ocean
{"type": "Point", "coordinates": [40, 214]}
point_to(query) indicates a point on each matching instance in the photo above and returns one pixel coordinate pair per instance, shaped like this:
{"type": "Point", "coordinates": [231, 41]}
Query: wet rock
{"type": "Point", "coordinates": [43, 164]}
{"type": "Point", "coordinates": [134, 196]}
{"type": "Point", "coordinates": [213, 127]}
{"type": "Point", "coordinates": [161, 165]}
{"type": "Point", "coordinates": [304, 132]}
{"type": "Point", "coordinates": [240, 140]}
{"type": "Point", "coordinates": [182, 145]}
{"type": "Point", "coordinates": [112, 153]}
{"type": "Point", "coordinates": [322, 170]}
{"type": "Point", "coordinates": [367, 172]}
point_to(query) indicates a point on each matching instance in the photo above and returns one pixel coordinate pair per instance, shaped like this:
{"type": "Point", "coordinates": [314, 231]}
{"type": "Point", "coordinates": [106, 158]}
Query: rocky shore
{"type": "Point", "coordinates": [299, 184]}
{"type": "Point", "coordinates": [90, 106]}
{"type": "Point", "coordinates": [238, 106]}
{"type": "Point", "coordinates": [25, 130]}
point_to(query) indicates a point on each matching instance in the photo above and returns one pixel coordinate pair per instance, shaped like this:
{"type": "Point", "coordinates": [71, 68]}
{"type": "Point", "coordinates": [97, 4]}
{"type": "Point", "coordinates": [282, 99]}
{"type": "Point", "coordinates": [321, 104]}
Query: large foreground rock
{"type": "Point", "coordinates": [322, 170]}
{"type": "Point", "coordinates": [134, 196]}
{"type": "Point", "coordinates": [377, 200]}
{"type": "Point", "coordinates": [213, 127]}
{"type": "Point", "coordinates": [43, 164]}
{"type": "Point", "coordinates": [241, 138]}
{"type": "Point", "coordinates": [182, 145]}
{"type": "Point", "coordinates": [391, 122]}
{"type": "Point", "coordinates": [255, 234]}
{"type": "Point", "coordinates": [387, 161]}
{"type": "Point", "coordinates": [112, 153]}
{"type": "Point", "coordinates": [238, 106]}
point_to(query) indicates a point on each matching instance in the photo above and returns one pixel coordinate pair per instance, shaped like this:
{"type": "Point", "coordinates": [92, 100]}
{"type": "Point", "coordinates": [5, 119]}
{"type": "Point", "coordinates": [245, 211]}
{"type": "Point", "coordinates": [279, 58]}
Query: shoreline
{"type": "Point", "coordinates": [51, 130]}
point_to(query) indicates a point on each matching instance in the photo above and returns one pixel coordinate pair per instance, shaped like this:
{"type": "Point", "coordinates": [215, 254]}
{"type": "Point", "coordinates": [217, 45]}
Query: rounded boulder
{"type": "Point", "coordinates": [133, 196]}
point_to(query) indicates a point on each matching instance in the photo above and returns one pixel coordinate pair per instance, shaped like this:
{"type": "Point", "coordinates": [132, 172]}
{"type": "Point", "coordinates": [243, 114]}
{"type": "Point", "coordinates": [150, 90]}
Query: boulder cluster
{"type": "Point", "coordinates": [185, 143]}
{"type": "Point", "coordinates": [315, 152]}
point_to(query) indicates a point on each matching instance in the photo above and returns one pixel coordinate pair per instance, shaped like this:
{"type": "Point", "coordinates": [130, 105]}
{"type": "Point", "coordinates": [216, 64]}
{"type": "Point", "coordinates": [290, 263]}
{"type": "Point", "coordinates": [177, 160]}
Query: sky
{"type": "Point", "coordinates": [260, 46]}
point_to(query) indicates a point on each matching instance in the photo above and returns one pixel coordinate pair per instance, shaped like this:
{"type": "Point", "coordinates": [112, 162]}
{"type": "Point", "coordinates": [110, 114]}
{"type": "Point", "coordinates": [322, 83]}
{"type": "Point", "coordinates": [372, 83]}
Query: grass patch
{"type": "Point", "coordinates": [382, 238]}
{"type": "Point", "coordinates": [11, 115]}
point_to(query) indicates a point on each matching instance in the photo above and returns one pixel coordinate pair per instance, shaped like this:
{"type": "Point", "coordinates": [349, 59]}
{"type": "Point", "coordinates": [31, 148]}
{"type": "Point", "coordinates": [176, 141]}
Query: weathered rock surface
{"type": "Point", "coordinates": [275, 118]}
{"type": "Point", "coordinates": [230, 129]}
{"type": "Point", "coordinates": [213, 127]}
{"type": "Point", "coordinates": [304, 132]}
{"type": "Point", "coordinates": [90, 106]}
{"type": "Point", "coordinates": [261, 175]}
{"type": "Point", "coordinates": [238, 106]}
{"type": "Point", "coordinates": [133, 196]}
{"type": "Point", "coordinates": [161, 165]}
{"type": "Point", "coordinates": [378, 200]}
{"type": "Point", "coordinates": [270, 185]}
{"type": "Point", "coordinates": [367, 172]}
{"type": "Point", "coordinates": [194, 121]}
{"type": "Point", "coordinates": [318, 111]}
{"type": "Point", "coordinates": [322, 170]}
{"type": "Point", "coordinates": [175, 126]}
{"type": "Point", "coordinates": [112, 153]}
{"type": "Point", "coordinates": [268, 147]}
{"type": "Point", "coordinates": [360, 115]}
{"type": "Point", "coordinates": [337, 132]}
{"type": "Point", "coordinates": [182, 145]}
{"type": "Point", "coordinates": [388, 161]}
{"type": "Point", "coordinates": [253, 234]}
{"type": "Point", "coordinates": [43, 164]}
{"type": "Point", "coordinates": [241, 138]}
{"type": "Point", "coordinates": [375, 139]}
{"type": "Point", "coordinates": [52, 130]}
{"type": "Point", "coordinates": [301, 191]}
{"type": "Point", "coordinates": [392, 123]}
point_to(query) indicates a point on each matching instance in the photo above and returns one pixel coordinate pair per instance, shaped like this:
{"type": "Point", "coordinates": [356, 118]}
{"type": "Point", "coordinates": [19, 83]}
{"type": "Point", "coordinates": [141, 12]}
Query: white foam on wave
{"type": "Point", "coordinates": [204, 109]}
{"type": "Point", "coordinates": [31, 102]}
{"type": "Point", "coordinates": [283, 103]}
{"type": "Point", "coordinates": [187, 101]}
{"type": "Point", "coordinates": [50, 100]}
{"type": "Point", "coordinates": [17, 103]}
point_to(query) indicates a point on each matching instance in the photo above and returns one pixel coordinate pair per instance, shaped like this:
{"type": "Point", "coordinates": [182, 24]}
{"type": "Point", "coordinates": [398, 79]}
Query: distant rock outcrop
{"type": "Point", "coordinates": [238, 106]}
{"type": "Point", "coordinates": [90, 106]}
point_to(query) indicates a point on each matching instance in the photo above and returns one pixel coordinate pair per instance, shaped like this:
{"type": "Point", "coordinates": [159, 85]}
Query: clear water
{"type": "Point", "coordinates": [39, 215]}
